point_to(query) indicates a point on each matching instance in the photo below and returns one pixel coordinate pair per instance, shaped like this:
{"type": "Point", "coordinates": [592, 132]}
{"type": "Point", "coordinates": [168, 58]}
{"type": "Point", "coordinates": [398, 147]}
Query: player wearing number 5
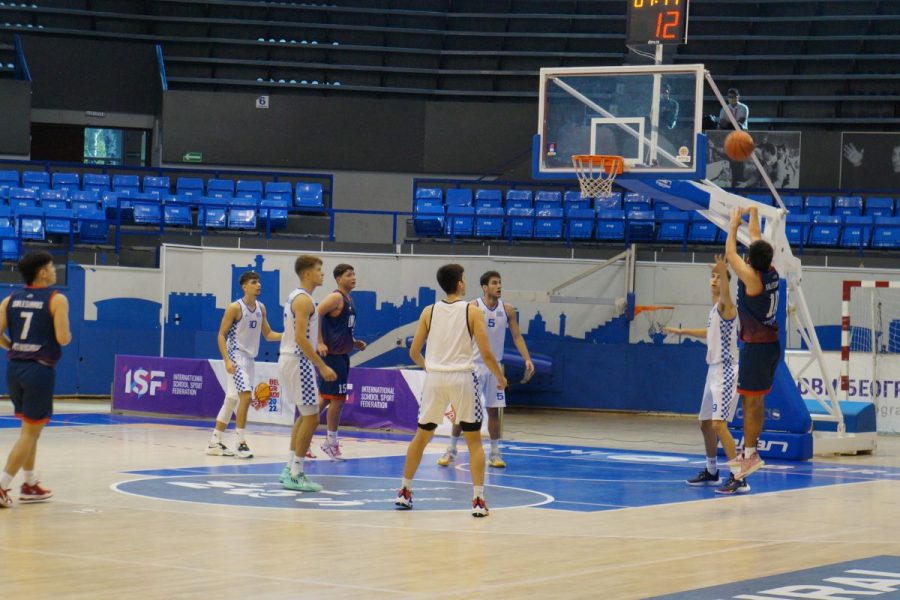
{"type": "Point", "coordinates": [757, 305]}
{"type": "Point", "coordinates": [37, 320]}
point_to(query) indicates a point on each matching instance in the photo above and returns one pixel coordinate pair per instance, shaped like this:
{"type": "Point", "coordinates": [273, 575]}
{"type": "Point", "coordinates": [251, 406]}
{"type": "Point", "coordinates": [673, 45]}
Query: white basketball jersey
{"type": "Point", "coordinates": [243, 336]}
{"type": "Point", "coordinates": [721, 338]}
{"type": "Point", "coordinates": [288, 343]}
{"type": "Point", "coordinates": [449, 346]}
{"type": "Point", "coordinates": [496, 321]}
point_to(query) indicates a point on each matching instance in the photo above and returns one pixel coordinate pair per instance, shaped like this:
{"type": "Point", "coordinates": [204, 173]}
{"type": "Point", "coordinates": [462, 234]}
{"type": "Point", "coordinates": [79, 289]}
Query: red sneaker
{"type": "Point", "coordinates": [5, 498]}
{"type": "Point", "coordinates": [33, 493]}
{"type": "Point", "coordinates": [479, 507]}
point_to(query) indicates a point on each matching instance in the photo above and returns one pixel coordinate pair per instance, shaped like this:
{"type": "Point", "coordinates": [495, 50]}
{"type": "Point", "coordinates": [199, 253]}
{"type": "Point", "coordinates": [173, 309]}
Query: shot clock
{"type": "Point", "coordinates": [657, 21]}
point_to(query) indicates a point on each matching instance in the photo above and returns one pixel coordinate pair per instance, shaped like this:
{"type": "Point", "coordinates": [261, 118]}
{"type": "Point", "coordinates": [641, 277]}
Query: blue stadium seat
{"type": "Point", "coordinates": [30, 223]}
{"type": "Point", "coordinates": [147, 211]}
{"type": "Point", "coordinates": [879, 206]}
{"type": "Point", "coordinates": [574, 200]}
{"type": "Point", "coordinates": [673, 226]}
{"type": "Point", "coordinates": [857, 232]}
{"type": "Point", "coordinates": [9, 179]}
{"type": "Point", "coordinates": [488, 199]}
{"type": "Point", "coordinates": [886, 233]}
{"type": "Point", "coordinates": [634, 202]}
{"type": "Point", "coordinates": [93, 227]}
{"type": "Point", "coordinates": [310, 197]}
{"type": "Point", "coordinates": [177, 215]}
{"type": "Point", "coordinates": [460, 220]}
{"type": "Point", "coordinates": [221, 189]}
{"type": "Point", "coordinates": [544, 200]}
{"type": "Point", "coordinates": [766, 199]}
{"type": "Point", "coordinates": [212, 213]}
{"type": "Point", "coordinates": [59, 221]}
{"type": "Point", "coordinates": [22, 198]}
{"type": "Point", "coordinates": [610, 226]}
{"type": "Point", "coordinates": [640, 225]}
{"type": "Point", "coordinates": [85, 196]}
{"type": "Point", "coordinates": [130, 184]}
{"type": "Point", "coordinates": [54, 204]}
{"type": "Point", "coordinates": [241, 217]}
{"type": "Point", "coordinates": [611, 202]}
{"type": "Point", "coordinates": [818, 205]}
{"type": "Point", "coordinates": [548, 224]}
{"type": "Point", "coordinates": [580, 223]}
{"type": "Point", "coordinates": [427, 203]}
{"type": "Point", "coordinates": [112, 202]}
{"type": "Point", "coordinates": [157, 185]}
{"type": "Point", "coordinates": [58, 198]}
{"type": "Point", "coordinates": [38, 180]}
{"type": "Point", "coordinates": [431, 193]}
{"type": "Point", "coordinates": [279, 190]}
{"type": "Point", "coordinates": [9, 245]}
{"type": "Point", "coordinates": [6, 217]}
{"type": "Point", "coordinates": [428, 220]}
{"type": "Point", "coordinates": [825, 231]}
{"type": "Point", "coordinates": [797, 229]}
{"type": "Point", "coordinates": [519, 199]}
{"type": "Point", "coordinates": [459, 197]}
{"type": "Point", "coordinates": [66, 181]}
{"type": "Point", "coordinates": [520, 222]}
{"type": "Point", "coordinates": [189, 186]}
{"type": "Point", "coordinates": [848, 206]}
{"type": "Point", "coordinates": [793, 203]}
{"type": "Point", "coordinates": [488, 221]}
{"type": "Point", "coordinates": [275, 211]}
{"type": "Point", "coordinates": [248, 188]}
{"type": "Point", "coordinates": [95, 182]}
{"type": "Point", "coordinates": [702, 231]}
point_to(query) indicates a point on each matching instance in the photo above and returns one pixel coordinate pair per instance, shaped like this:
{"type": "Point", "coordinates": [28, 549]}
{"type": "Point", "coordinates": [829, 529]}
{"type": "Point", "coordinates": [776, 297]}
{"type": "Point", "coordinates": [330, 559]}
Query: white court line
{"type": "Point", "coordinates": [498, 474]}
{"type": "Point", "coordinates": [217, 572]}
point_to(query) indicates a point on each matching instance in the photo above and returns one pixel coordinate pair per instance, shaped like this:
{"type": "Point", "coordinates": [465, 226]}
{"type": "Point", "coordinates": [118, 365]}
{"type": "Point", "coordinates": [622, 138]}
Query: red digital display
{"type": "Point", "coordinates": [657, 22]}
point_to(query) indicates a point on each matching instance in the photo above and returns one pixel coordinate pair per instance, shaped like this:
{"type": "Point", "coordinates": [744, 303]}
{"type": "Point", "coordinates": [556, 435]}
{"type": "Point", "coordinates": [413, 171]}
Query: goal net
{"type": "Point", "coordinates": [870, 351]}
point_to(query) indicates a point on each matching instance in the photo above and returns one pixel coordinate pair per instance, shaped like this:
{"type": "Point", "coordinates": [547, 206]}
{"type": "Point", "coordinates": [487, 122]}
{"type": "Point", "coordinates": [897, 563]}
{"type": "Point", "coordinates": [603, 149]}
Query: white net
{"type": "Point", "coordinates": [875, 347]}
{"type": "Point", "coordinates": [596, 174]}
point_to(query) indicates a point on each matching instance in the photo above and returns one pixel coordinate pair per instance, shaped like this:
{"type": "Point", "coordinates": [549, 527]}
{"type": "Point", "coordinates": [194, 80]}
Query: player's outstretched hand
{"type": "Point", "coordinates": [735, 219]}
{"type": "Point", "coordinates": [322, 349]}
{"type": "Point", "coordinates": [327, 373]}
{"type": "Point", "coordinates": [229, 366]}
{"type": "Point", "coordinates": [720, 267]}
{"type": "Point", "coordinates": [359, 345]}
{"type": "Point", "coordinates": [671, 330]}
{"type": "Point", "coordinates": [853, 156]}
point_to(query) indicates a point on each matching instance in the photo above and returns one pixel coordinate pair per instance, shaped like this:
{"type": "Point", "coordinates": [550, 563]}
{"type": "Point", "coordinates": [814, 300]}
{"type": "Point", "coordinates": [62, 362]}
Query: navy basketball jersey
{"type": "Point", "coordinates": [337, 332]}
{"type": "Point", "coordinates": [31, 331]}
{"type": "Point", "coordinates": [757, 313]}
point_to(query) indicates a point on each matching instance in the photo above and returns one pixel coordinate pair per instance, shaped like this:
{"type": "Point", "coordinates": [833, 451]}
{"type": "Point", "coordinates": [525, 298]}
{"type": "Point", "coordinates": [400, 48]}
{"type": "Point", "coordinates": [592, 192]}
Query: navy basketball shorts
{"type": "Point", "coordinates": [337, 389]}
{"type": "Point", "coordinates": [30, 386]}
{"type": "Point", "coordinates": [756, 370]}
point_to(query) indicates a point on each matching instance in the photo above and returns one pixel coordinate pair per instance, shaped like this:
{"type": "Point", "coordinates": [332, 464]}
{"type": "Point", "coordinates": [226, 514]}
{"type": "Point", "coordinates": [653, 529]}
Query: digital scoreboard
{"type": "Point", "coordinates": [657, 21]}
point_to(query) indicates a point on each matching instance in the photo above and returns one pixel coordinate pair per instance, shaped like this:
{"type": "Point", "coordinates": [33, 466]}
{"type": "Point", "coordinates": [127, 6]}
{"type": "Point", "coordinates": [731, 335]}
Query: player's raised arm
{"type": "Point", "coordinates": [696, 333]}
{"type": "Point", "coordinates": [303, 308]}
{"type": "Point", "coordinates": [745, 272]}
{"type": "Point", "coordinates": [479, 332]}
{"type": "Point", "coordinates": [518, 340]}
{"type": "Point", "coordinates": [59, 309]}
{"type": "Point", "coordinates": [415, 348]}
{"type": "Point", "coordinates": [232, 313]}
{"type": "Point", "coordinates": [272, 336]}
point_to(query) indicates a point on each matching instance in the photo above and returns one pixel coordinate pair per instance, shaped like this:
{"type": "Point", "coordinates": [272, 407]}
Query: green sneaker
{"type": "Point", "coordinates": [301, 483]}
{"type": "Point", "coordinates": [285, 474]}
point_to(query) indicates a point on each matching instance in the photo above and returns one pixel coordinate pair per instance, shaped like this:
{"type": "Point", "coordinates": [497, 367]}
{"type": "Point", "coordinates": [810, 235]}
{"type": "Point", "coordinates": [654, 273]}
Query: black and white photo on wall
{"type": "Point", "coordinates": [870, 160]}
{"type": "Point", "coordinates": [777, 151]}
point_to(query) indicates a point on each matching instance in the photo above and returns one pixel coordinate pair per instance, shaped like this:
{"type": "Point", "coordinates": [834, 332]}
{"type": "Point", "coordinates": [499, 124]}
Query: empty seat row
{"type": "Point", "coordinates": [845, 232]}
{"type": "Point", "coordinates": [306, 196]}
{"type": "Point", "coordinates": [844, 206]}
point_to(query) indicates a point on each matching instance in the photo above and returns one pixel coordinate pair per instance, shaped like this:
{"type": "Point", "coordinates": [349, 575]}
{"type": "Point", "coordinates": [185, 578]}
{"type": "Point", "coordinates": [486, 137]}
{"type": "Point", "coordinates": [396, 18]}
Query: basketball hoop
{"type": "Point", "coordinates": [596, 173]}
{"type": "Point", "coordinates": [657, 316]}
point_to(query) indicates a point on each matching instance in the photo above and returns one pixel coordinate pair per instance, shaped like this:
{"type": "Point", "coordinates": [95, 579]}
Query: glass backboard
{"type": "Point", "coordinates": [650, 115]}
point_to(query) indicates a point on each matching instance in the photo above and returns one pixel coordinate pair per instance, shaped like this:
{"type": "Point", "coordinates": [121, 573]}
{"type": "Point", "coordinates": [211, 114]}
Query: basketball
{"type": "Point", "coordinates": [739, 146]}
{"type": "Point", "coordinates": [262, 392]}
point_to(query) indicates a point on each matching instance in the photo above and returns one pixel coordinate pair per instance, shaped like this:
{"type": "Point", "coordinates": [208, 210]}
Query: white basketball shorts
{"type": "Point", "coordinates": [720, 393]}
{"type": "Point", "coordinates": [487, 388]}
{"type": "Point", "coordinates": [242, 378]}
{"type": "Point", "coordinates": [456, 389]}
{"type": "Point", "coordinates": [297, 377]}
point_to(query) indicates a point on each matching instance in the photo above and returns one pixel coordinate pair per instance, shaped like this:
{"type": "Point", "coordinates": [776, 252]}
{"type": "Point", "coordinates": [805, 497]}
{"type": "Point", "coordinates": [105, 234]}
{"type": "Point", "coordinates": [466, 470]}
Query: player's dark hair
{"type": "Point", "coordinates": [305, 262]}
{"type": "Point", "coordinates": [768, 148]}
{"type": "Point", "coordinates": [31, 263]}
{"type": "Point", "coordinates": [760, 254]}
{"type": "Point", "coordinates": [486, 278]}
{"type": "Point", "coordinates": [248, 276]}
{"type": "Point", "coordinates": [449, 276]}
{"type": "Point", "coordinates": [733, 92]}
{"type": "Point", "coordinates": [341, 269]}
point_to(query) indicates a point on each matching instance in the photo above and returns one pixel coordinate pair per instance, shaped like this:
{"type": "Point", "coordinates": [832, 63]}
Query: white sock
{"type": "Point", "coordinates": [478, 491]}
{"type": "Point", "coordinates": [454, 440]}
{"type": "Point", "coordinates": [216, 437]}
{"type": "Point", "coordinates": [290, 461]}
{"type": "Point", "coordinates": [711, 465]}
{"type": "Point", "coordinates": [240, 435]}
{"type": "Point", "coordinates": [331, 436]}
{"type": "Point", "coordinates": [5, 480]}
{"type": "Point", "coordinates": [30, 477]}
{"type": "Point", "coordinates": [495, 446]}
{"type": "Point", "coordinates": [297, 466]}
{"type": "Point", "coordinates": [407, 483]}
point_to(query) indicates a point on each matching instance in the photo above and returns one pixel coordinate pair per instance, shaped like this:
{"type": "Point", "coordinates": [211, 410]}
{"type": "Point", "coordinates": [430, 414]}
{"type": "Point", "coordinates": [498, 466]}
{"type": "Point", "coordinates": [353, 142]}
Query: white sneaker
{"type": "Point", "coordinates": [332, 450]}
{"type": "Point", "coordinates": [243, 450]}
{"type": "Point", "coordinates": [448, 457]}
{"type": "Point", "coordinates": [218, 449]}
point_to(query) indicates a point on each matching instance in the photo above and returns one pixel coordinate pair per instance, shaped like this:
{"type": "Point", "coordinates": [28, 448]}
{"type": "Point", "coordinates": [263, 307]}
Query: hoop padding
{"type": "Point", "coordinates": [596, 173]}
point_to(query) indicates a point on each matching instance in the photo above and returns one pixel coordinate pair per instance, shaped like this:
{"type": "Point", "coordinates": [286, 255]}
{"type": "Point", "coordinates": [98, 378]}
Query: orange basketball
{"type": "Point", "coordinates": [263, 392]}
{"type": "Point", "coordinates": [739, 146]}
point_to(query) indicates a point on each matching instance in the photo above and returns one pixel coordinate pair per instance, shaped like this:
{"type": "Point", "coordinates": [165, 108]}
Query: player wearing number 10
{"type": "Point", "coordinates": [757, 305]}
{"type": "Point", "coordinates": [37, 319]}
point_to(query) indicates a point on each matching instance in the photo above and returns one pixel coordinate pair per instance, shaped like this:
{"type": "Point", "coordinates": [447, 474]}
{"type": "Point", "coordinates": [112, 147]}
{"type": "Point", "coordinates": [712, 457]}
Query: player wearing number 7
{"type": "Point", "coordinates": [757, 305]}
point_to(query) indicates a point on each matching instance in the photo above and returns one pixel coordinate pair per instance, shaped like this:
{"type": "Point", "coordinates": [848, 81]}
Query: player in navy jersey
{"type": "Point", "coordinates": [757, 305]}
{"type": "Point", "coordinates": [243, 322]}
{"type": "Point", "coordinates": [35, 326]}
{"type": "Point", "coordinates": [337, 317]}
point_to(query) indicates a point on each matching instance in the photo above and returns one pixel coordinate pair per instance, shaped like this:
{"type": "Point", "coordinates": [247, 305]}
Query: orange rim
{"type": "Point", "coordinates": [646, 308]}
{"type": "Point", "coordinates": [610, 163]}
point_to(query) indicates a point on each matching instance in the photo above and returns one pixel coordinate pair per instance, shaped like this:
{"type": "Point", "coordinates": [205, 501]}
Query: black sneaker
{"type": "Point", "coordinates": [704, 477]}
{"type": "Point", "coordinates": [734, 486]}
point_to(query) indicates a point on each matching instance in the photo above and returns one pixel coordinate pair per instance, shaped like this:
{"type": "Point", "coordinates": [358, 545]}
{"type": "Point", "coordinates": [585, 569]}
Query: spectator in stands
{"type": "Point", "coordinates": [668, 108]}
{"type": "Point", "coordinates": [740, 111]}
{"type": "Point", "coordinates": [860, 171]}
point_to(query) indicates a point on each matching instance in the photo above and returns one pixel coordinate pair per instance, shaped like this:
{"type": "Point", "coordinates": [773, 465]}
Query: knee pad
{"type": "Point", "coordinates": [228, 407]}
{"type": "Point", "coordinates": [428, 426]}
{"type": "Point", "coordinates": [470, 426]}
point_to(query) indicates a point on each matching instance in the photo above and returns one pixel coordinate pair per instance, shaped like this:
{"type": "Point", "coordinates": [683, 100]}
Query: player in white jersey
{"type": "Point", "coordinates": [449, 363]}
{"type": "Point", "coordinates": [297, 361]}
{"type": "Point", "coordinates": [498, 316]}
{"type": "Point", "coordinates": [720, 393]}
{"type": "Point", "coordinates": [238, 339]}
